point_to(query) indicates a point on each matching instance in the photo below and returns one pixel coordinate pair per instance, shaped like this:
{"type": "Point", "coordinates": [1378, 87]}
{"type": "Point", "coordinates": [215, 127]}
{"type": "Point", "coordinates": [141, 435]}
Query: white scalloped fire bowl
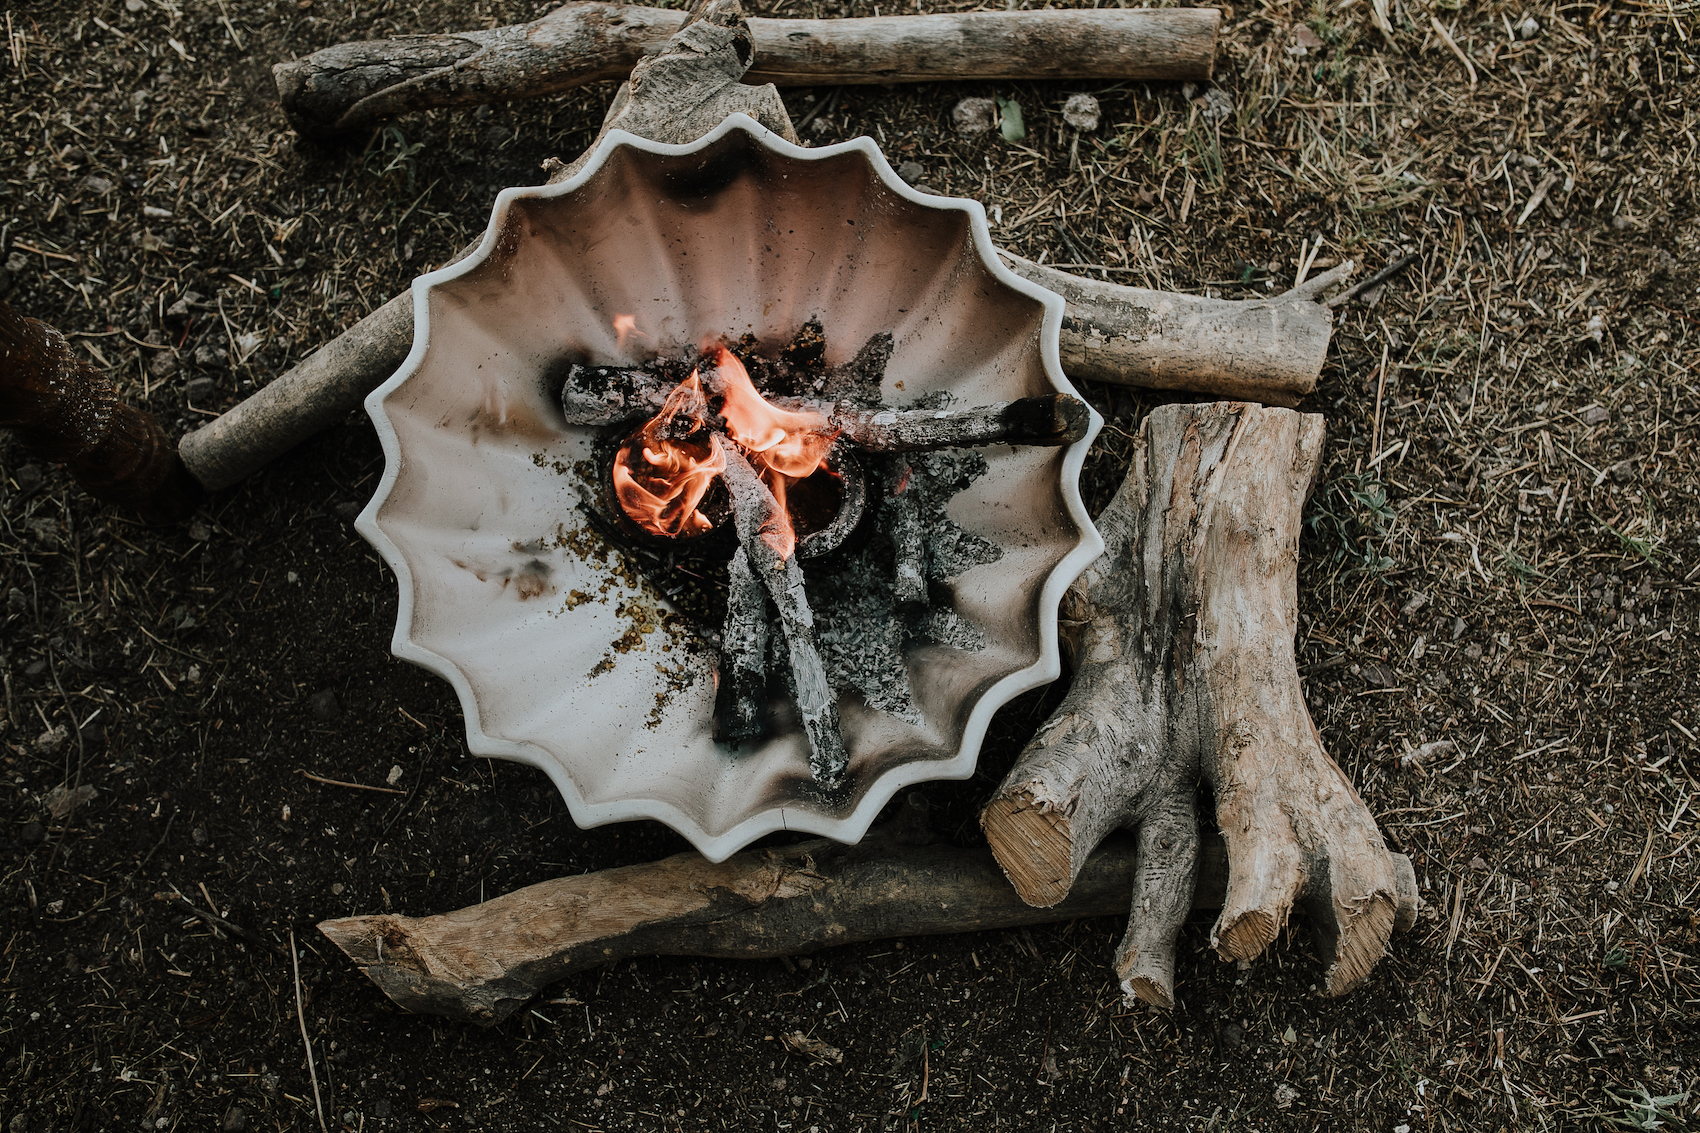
{"type": "Point", "coordinates": [563, 656]}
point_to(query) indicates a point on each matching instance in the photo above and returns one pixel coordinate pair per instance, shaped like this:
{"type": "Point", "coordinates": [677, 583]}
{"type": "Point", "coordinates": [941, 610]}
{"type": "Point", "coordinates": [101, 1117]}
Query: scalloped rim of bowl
{"type": "Point", "coordinates": [849, 828]}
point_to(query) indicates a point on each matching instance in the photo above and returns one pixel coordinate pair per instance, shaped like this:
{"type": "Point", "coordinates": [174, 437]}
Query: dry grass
{"type": "Point", "coordinates": [1498, 596]}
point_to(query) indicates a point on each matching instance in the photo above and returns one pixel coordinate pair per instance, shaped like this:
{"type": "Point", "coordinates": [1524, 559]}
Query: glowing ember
{"type": "Point", "coordinates": [663, 472]}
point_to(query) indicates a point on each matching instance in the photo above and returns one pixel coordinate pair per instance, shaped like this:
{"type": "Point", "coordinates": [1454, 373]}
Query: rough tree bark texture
{"type": "Point", "coordinates": [62, 409]}
{"type": "Point", "coordinates": [352, 85]}
{"type": "Point", "coordinates": [684, 91]}
{"type": "Point", "coordinates": [1183, 639]}
{"type": "Point", "coordinates": [482, 963]}
{"type": "Point", "coordinates": [1268, 350]}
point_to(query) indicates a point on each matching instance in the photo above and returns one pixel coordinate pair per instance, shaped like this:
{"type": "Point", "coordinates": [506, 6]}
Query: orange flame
{"type": "Point", "coordinates": [783, 446]}
{"type": "Point", "coordinates": [625, 326]}
{"type": "Point", "coordinates": [662, 473]}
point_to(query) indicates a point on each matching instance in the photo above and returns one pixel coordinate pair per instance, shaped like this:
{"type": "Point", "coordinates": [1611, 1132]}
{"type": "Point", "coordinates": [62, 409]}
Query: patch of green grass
{"type": "Point", "coordinates": [1642, 1110]}
{"type": "Point", "coordinates": [390, 153]}
{"type": "Point", "coordinates": [1350, 516]}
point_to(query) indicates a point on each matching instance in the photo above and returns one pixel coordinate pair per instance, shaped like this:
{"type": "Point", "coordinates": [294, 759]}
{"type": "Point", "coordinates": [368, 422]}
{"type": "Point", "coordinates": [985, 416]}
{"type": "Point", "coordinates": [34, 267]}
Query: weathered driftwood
{"type": "Point", "coordinates": [686, 90]}
{"type": "Point", "coordinates": [1266, 350]}
{"type": "Point", "coordinates": [482, 963]}
{"type": "Point", "coordinates": [352, 85]}
{"type": "Point", "coordinates": [758, 517]}
{"type": "Point", "coordinates": [64, 410]}
{"type": "Point", "coordinates": [1183, 636]}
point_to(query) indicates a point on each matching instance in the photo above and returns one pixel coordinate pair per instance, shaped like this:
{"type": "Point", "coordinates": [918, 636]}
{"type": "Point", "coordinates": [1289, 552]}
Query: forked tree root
{"type": "Point", "coordinates": [1183, 637]}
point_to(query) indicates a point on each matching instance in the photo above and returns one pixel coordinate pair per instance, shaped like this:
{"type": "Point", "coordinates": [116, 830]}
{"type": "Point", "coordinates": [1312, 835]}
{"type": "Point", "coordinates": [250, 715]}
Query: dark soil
{"type": "Point", "coordinates": [1509, 575]}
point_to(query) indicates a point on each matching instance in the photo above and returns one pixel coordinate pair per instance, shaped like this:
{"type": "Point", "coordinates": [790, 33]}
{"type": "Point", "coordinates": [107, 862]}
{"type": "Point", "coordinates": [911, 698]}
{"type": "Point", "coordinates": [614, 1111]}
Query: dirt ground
{"type": "Point", "coordinates": [1498, 632]}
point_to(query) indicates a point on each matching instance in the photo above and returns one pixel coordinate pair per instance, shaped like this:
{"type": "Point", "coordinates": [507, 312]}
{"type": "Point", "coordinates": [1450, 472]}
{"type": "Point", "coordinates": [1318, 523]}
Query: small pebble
{"type": "Point", "coordinates": [974, 116]}
{"type": "Point", "coordinates": [29, 478]}
{"type": "Point", "coordinates": [1233, 1037]}
{"type": "Point", "coordinates": [1081, 112]}
{"type": "Point", "coordinates": [33, 834]}
{"type": "Point", "coordinates": [910, 171]}
{"type": "Point", "coordinates": [235, 1120]}
{"type": "Point", "coordinates": [200, 390]}
{"type": "Point", "coordinates": [1529, 28]}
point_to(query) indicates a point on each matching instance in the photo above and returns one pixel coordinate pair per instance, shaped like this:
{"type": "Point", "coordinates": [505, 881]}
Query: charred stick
{"type": "Point", "coordinates": [609, 395]}
{"type": "Point", "coordinates": [902, 514]}
{"type": "Point", "coordinates": [760, 520]}
{"type": "Point", "coordinates": [1053, 420]}
{"type": "Point", "coordinates": [741, 699]}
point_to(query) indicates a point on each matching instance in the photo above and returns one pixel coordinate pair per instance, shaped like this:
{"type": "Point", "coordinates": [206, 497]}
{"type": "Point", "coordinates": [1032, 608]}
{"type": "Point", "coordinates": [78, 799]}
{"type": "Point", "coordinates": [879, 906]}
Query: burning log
{"type": "Point", "coordinates": [62, 409]}
{"type": "Point", "coordinates": [740, 701]}
{"type": "Point", "coordinates": [606, 395]}
{"type": "Point", "coordinates": [483, 963]}
{"type": "Point", "coordinates": [1183, 631]}
{"type": "Point", "coordinates": [350, 86]}
{"type": "Point", "coordinates": [766, 538]}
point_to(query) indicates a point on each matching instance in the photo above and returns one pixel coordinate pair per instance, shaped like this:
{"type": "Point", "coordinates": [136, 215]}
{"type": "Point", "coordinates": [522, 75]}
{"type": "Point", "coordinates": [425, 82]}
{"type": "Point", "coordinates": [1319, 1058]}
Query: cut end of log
{"type": "Point", "coordinates": [1146, 990]}
{"type": "Point", "coordinates": [1033, 844]}
{"type": "Point", "coordinates": [1246, 936]}
{"type": "Point", "coordinates": [1363, 941]}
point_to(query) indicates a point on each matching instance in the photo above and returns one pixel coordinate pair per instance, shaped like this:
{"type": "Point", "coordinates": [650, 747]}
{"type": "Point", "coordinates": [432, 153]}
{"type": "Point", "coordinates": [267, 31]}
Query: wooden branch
{"type": "Point", "coordinates": [64, 410]}
{"type": "Point", "coordinates": [605, 395]}
{"type": "Point", "coordinates": [681, 93]}
{"type": "Point", "coordinates": [483, 963]}
{"type": "Point", "coordinates": [1265, 350]}
{"type": "Point", "coordinates": [1183, 633]}
{"type": "Point", "coordinates": [352, 85]}
{"type": "Point", "coordinates": [759, 516]}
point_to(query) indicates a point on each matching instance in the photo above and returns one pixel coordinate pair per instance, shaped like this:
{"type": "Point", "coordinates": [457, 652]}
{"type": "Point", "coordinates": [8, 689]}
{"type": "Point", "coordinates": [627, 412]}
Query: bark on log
{"type": "Point", "coordinates": [683, 92]}
{"type": "Point", "coordinates": [483, 963]}
{"type": "Point", "coordinates": [64, 410]}
{"type": "Point", "coordinates": [1266, 350]}
{"type": "Point", "coordinates": [1183, 636]}
{"type": "Point", "coordinates": [352, 85]}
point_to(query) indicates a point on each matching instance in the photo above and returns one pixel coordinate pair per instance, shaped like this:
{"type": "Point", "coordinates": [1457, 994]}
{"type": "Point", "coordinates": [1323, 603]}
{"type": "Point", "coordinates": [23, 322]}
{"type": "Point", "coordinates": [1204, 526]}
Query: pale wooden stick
{"type": "Point", "coordinates": [352, 85]}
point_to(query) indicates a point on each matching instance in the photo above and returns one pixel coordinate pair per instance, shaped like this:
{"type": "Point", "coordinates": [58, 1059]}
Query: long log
{"type": "Point", "coordinates": [1266, 350]}
{"type": "Point", "coordinates": [1183, 633]}
{"type": "Point", "coordinates": [352, 85]}
{"type": "Point", "coordinates": [481, 964]}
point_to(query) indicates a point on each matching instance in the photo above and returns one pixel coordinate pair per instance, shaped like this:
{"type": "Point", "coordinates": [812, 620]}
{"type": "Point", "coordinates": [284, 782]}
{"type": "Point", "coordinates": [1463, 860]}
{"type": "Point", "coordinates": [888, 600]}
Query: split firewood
{"type": "Point", "coordinates": [603, 396]}
{"type": "Point", "coordinates": [483, 963]}
{"type": "Point", "coordinates": [350, 86]}
{"type": "Point", "coordinates": [676, 96]}
{"type": "Point", "coordinates": [764, 535]}
{"type": "Point", "coordinates": [1183, 638]}
{"type": "Point", "coordinates": [740, 696]}
{"type": "Point", "coordinates": [64, 410]}
{"type": "Point", "coordinates": [1267, 350]}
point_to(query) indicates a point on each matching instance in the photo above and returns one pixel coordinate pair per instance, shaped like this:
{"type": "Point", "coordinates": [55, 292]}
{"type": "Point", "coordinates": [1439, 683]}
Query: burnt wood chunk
{"type": "Point", "coordinates": [758, 516]}
{"type": "Point", "coordinates": [1053, 419]}
{"type": "Point", "coordinates": [740, 711]}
